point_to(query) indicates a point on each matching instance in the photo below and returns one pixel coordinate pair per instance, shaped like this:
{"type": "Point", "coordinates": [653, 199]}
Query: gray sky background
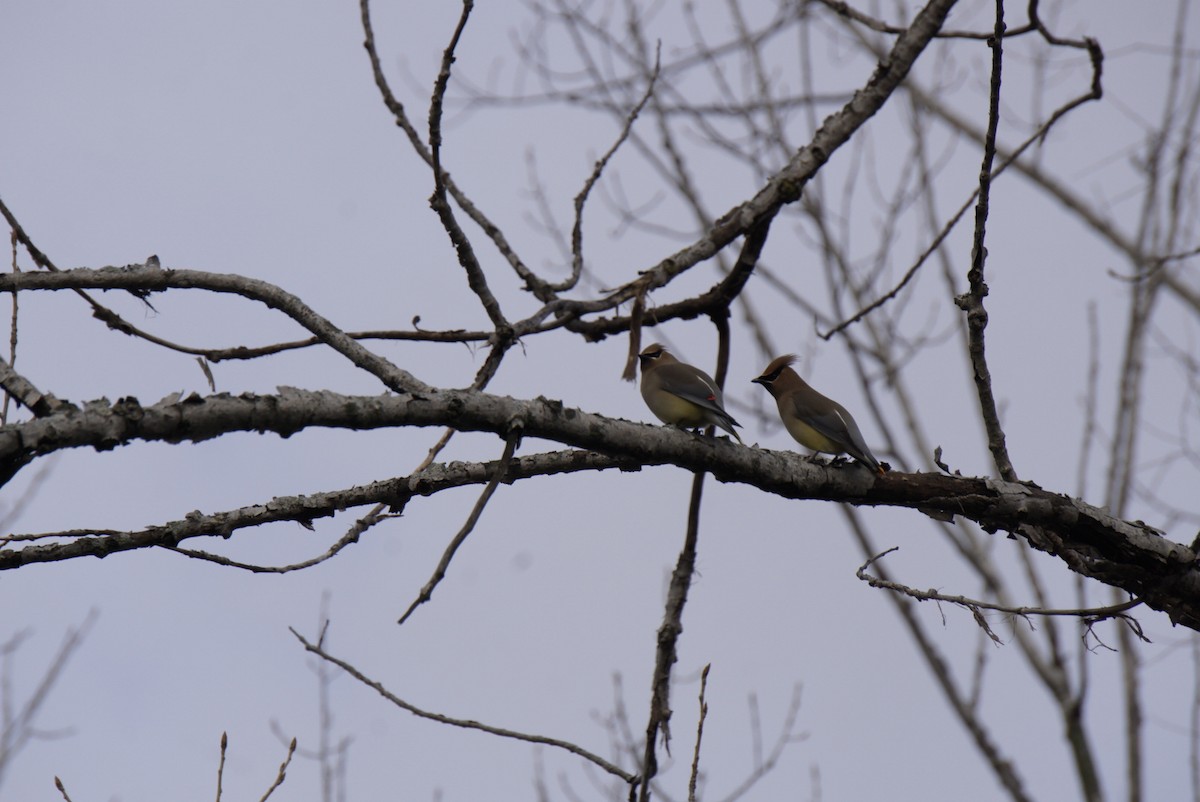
{"type": "Point", "coordinates": [249, 138]}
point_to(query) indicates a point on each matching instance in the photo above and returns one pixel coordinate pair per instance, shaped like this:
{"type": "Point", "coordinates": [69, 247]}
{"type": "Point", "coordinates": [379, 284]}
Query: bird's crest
{"type": "Point", "coordinates": [651, 353]}
{"type": "Point", "coordinates": [776, 367]}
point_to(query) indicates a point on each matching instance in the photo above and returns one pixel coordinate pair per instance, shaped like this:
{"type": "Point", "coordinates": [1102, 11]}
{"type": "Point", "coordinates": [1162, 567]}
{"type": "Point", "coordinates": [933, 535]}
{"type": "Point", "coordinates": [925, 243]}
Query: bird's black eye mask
{"type": "Point", "coordinates": [769, 378]}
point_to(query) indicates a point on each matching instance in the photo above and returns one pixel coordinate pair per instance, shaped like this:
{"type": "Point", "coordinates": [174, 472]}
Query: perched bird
{"type": "Point", "coordinates": [680, 394]}
{"type": "Point", "coordinates": [813, 420]}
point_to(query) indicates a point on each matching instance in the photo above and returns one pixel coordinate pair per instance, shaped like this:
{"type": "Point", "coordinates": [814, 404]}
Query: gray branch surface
{"type": "Point", "coordinates": [1128, 555]}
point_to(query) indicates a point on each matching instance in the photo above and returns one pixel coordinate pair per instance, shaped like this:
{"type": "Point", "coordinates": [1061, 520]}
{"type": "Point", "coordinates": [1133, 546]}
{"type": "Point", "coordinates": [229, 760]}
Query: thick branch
{"type": "Point", "coordinates": [27, 395]}
{"type": "Point", "coordinates": [388, 493]}
{"type": "Point", "coordinates": [837, 129]}
{"type": "Point", "coordinates": [784, 187]}
{"type": "Point", "coordinates": [1131, 556]}
{"type": "Point", "coordinates": [147, 279]}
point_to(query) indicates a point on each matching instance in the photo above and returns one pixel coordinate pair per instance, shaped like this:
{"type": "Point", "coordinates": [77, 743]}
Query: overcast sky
{"type": "Point", "coordinates": [249, 138]}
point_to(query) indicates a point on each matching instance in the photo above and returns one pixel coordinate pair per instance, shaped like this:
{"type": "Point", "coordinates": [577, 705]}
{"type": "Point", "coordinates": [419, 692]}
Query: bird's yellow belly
{"type": "Point", "coordinates": [675, 410]}
{"type": "Point", "coordinates": [809, 437]}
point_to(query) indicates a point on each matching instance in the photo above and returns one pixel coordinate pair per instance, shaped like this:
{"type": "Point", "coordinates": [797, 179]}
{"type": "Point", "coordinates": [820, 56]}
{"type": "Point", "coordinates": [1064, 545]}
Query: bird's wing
{"type": "Point", "coordinates": [692, 384]}
{"type": "Point", "coordinates": [830, 421]}
{"type": "Point", "coordinates": [857, 447]}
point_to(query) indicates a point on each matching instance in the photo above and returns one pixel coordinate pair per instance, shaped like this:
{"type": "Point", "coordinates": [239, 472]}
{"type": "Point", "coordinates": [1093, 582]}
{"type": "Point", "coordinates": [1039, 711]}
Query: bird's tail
{"type": "Point", "coordinates": [727, 423]}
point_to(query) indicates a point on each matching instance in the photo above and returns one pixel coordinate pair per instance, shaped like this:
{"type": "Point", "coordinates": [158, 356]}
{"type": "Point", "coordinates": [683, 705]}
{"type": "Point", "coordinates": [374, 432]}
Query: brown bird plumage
{"type": "Point", "coordinates": [680, 394]}
{"type": "Point", "coordinates": [813, 420]}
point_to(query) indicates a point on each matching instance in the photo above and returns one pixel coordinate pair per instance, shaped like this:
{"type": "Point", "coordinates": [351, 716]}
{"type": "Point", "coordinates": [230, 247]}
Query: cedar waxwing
{"type": "Point", "coordinates": [813, 420]}
{"type": "Point", "coordinates": [680, 394]}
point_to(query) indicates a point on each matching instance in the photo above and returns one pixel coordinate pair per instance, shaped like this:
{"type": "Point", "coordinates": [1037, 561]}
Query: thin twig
{"type": "Point", "coordinates": [597, 171]}
{"type": "Point", "coordinates": [19, 726]}
{"type": "Point", "coordinates": [699, 734]}
{"type": "Point", "coordinates": [462, 244]}
{"type": "Point", "coordinates": [465, 723]}
{"type": "Point", "coordinates": [764, 765]}
{"type": "Point", "coordinates": [279, 778]}
{"type": "Point", "coordinates": [844, 9]}
{"type": "Point", "coordinates": [221, 764]}
{"type": "Point", "coordinates": [240, 352]}
{"type": "Point", "coordinates": [1194, 724]}
{"type": "Point", "coordinates": [439, 573]}
{"type": "Point", "coordinates": [532, 282]}
{"type": "Point", "coordinates": [1004, 768]}
{"type": "Point", "coordinates": [971, 302]}
{"type": "Point", "coordinates": [1090, 400]}
{"type": "Point", "coordinates": [1093, 614]}
{"type": "Point", "coordinates": [12, 329]}
{"type": "Point", "coordinates": [1095, 92]}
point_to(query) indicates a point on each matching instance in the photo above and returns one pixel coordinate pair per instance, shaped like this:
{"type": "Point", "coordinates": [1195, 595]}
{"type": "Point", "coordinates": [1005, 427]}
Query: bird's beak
{"type": "Point", "coordinates": [759, 380]}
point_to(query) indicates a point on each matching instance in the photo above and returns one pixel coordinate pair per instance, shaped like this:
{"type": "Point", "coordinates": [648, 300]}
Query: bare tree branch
{"type": "Point", "coordinates": [221, 763]}
{"type": "Point", "coordinates": [1006, 772]}
{"type": "Point", "coordinates": [476, 278]}
{"type": "Point", "coordinates": [18, 726]}
{"type": "Point", "coordinates": [972, 301]}
{"type": "Point", "coordinates": [464, 723]}
{"type": "Point", "coordinates": [1129, 555]}
{"type": "Point", "coordinates": [391, 493]}
{"type": "Point", "coordinates": [25, 393]}
{"type": "Point", "coordinates": [145, 279]}
{"type": "Point", "coordinates": [501, 467]}
{"type": "Point", "coordinates": [581, 199]}
{"type": "Point", "coordinates": [279, 778]}
{"type": "Point", "coordinates": [1092, 614]}
{"type": "Point", "coordinates": [699, 734]}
